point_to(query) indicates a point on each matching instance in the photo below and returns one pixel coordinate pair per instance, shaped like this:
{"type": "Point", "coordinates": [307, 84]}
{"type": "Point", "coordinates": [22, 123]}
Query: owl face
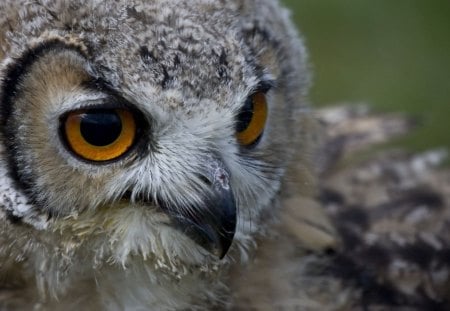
{"type": "Point", "coordinates": [151, 123]}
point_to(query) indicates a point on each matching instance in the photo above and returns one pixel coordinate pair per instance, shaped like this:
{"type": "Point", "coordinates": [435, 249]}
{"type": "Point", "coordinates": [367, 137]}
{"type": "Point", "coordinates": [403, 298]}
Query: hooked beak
{"type": "Point", "coordinates": [213, 223]}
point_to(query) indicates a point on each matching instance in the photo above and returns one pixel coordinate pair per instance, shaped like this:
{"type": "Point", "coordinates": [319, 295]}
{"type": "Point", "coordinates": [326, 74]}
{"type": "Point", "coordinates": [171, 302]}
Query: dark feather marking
{"type": "Point", "coordinates": [420, 253]}
{"type": "Point", "coordinates": [147, 56]}
{"type": "Point", "coordinates": [13, 218]}
{"type": "Point", "coordinates": [329, 196]}
{"type": "Point", "coordinates": [376, 292]}
{"type": "Point", "coordinates": [422, 196]}
{"type": "Point", "coordinates": [352, 272]}
{"type": "Point", "coordinates": [356, 215]}
{"type": "Point", "coordinates": [166, 78]}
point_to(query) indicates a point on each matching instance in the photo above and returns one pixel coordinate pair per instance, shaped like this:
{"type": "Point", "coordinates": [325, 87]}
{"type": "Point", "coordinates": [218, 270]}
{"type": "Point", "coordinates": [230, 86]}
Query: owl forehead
{"type": "Point", "coordinates": [215, 69]}
{"type": "Point", "coordinates": [142, 47]}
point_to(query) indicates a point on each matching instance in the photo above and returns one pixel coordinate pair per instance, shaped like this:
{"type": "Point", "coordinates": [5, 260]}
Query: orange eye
{"type": "Point", "coordinates": [252, 119]}
{"type": "Point", "coordinates": [100, 134]}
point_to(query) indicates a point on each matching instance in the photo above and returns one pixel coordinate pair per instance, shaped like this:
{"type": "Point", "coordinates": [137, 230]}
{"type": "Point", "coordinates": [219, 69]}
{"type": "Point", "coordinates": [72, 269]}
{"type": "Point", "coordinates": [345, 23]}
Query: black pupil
{"type": "Point", "coordinates": [245, 115]}
{"type": "Point", "coordinates": [100, 127]}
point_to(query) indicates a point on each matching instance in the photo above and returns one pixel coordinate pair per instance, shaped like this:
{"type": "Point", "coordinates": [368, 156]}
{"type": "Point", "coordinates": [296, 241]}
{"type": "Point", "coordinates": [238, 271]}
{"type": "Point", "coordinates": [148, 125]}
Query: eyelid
{"type": "Point", "coordinates": [98, 103]}
{"type": "Point", "coordinates": [265, 86]}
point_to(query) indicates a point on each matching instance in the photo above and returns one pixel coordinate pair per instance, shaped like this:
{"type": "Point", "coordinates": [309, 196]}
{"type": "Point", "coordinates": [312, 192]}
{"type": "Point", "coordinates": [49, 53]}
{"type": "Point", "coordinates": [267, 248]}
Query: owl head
{"type": "Point", "coordinates": [159, 129]}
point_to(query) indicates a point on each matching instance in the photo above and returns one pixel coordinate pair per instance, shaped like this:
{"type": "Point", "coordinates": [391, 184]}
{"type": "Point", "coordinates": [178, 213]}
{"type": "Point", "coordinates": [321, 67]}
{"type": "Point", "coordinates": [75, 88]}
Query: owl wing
{"type": "Point", "coordinates": [374, 237]}
{"type": "Point", "coordinates": [392, 212]}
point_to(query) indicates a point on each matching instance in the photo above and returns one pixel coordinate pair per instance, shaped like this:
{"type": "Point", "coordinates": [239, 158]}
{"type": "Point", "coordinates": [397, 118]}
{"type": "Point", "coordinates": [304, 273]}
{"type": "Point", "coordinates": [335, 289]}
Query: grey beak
{"type": "Point", "coordinates": [213, 224]}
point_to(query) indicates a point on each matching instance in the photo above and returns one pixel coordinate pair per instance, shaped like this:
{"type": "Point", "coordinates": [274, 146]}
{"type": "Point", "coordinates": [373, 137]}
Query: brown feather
{"type": "Point", "coordinates": [391, 212]}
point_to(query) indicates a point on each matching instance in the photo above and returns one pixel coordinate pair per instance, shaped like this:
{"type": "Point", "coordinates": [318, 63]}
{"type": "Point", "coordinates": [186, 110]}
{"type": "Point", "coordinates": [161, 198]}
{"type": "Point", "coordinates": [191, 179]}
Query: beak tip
{"type": "Point", "coordinates": [218, 241]}
{"type": "Point", "coordinates": [212, 231]}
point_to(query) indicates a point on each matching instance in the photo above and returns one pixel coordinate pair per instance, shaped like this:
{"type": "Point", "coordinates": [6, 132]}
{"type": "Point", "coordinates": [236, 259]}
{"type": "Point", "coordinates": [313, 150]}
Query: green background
{"type": "Point", "coordinates": [391, 54]}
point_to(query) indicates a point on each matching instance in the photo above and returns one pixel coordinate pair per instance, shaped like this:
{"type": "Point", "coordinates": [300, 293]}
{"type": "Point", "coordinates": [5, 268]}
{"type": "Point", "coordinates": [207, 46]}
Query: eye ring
{"type": "Point", "coordinates": [99, 134]}
{"type": "Point", "coordinates": [251, 119]}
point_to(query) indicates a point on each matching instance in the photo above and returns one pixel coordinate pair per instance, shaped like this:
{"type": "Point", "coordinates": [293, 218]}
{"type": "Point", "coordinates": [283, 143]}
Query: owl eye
{"type": "Point", "coordinates": [252, 119]}
{"type": "Point", "coordinates": [99, 134]}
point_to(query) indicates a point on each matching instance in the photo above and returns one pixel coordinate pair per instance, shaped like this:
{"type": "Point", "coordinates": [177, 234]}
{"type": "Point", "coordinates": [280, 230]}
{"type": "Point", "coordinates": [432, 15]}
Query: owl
{"type": "Point", "coordinates": [144, 148]}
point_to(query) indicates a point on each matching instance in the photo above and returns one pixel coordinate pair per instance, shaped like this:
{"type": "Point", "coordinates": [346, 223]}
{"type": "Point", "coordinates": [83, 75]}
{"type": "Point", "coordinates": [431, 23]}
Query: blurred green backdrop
{"type": "Point", "coordinates": [391, 54]}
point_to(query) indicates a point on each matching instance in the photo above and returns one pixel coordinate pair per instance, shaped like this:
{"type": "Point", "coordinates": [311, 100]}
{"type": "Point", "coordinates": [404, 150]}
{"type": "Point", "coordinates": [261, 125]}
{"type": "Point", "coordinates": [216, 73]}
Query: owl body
{"type": "Point", "coordinates": [195, 102]}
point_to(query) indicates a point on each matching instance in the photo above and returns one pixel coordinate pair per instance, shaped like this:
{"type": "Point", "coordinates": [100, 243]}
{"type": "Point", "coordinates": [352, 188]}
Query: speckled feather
{"type": "Point", "coordinates": [66, 237]}
{"type": "Point", "coordinates": [390, 246]}
{"type": "Point", "coordinates": [353, 234]}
